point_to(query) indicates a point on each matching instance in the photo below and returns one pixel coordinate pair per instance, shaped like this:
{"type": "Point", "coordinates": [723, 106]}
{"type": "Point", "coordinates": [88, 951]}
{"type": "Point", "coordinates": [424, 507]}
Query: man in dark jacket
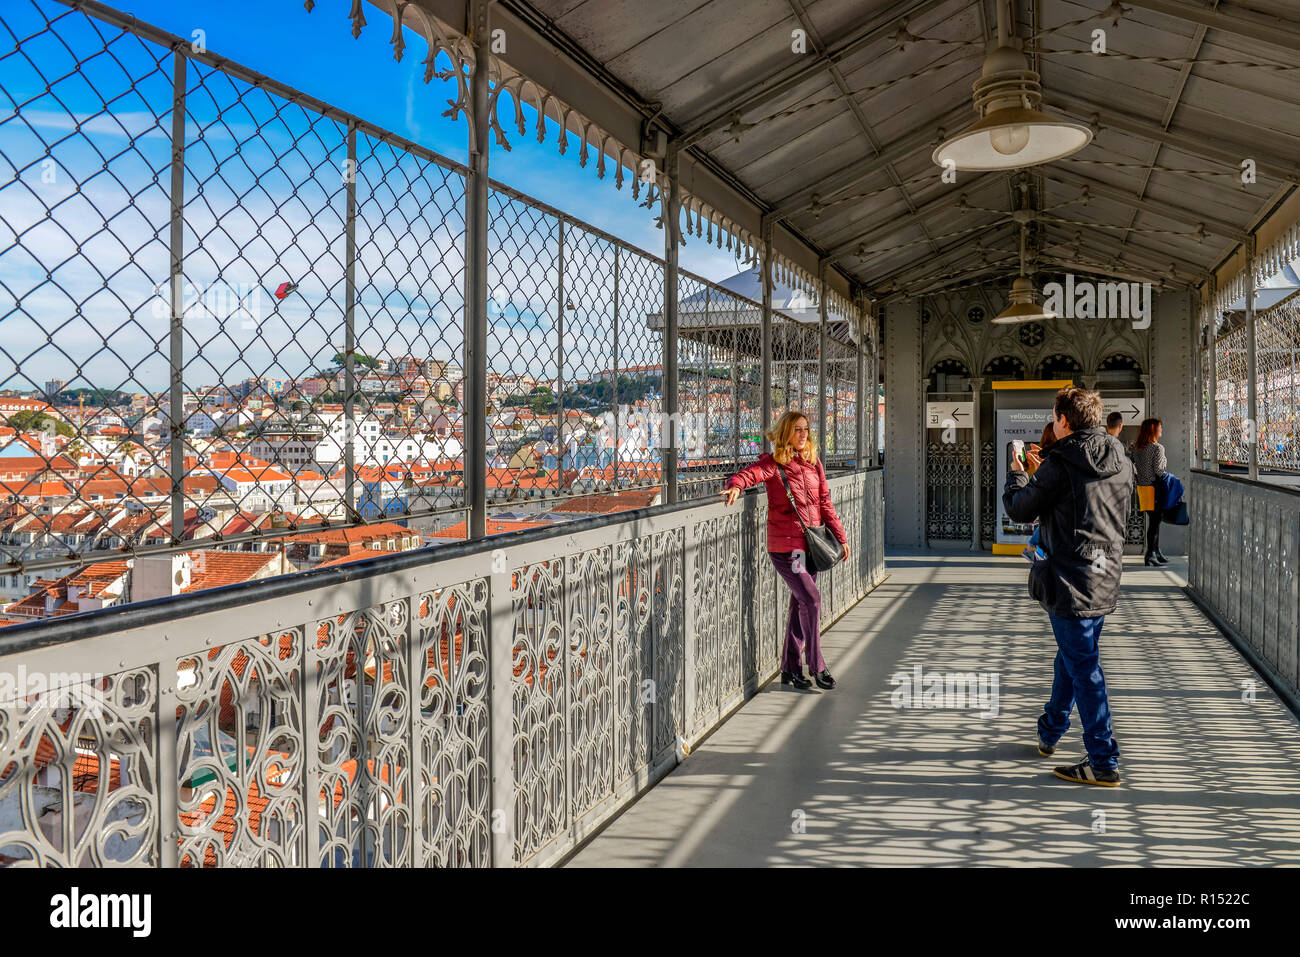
{"type": "Point", "coordinates": [1080, 494]}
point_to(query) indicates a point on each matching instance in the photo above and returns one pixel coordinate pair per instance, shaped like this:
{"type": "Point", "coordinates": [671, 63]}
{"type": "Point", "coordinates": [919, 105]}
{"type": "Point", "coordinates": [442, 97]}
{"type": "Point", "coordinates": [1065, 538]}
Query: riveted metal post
{"type": "Point", "coordinates": [559, 360]}
{"type": "Point", "coordinates": [176, 240]}
{"type": "Point", "coordinates": [350, 332]}
{"type": "Point", "coordinates": [1198, 338]}
{"type": "Point", "coordinates": [476, 262]}
{"type": "Point", "coordinates": [1252, 389]}
{"type": "Point", "coordinates": [671, 204]}
{"type": "Point", "coordinates": [859, 390]}
{"type": "Point", "coordinates": [821, 355]}
{"type": "Point", "coordinates": [765, 330]}
{"type": "Point", "coordinates": [614, 373]}
{"type": "Point", "coordinates": [1212, 456]}
{"type": "Point", "coordinates": [976, 459]}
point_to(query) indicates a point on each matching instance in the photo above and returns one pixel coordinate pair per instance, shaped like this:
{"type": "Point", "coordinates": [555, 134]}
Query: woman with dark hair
{"type": "Point", "coordinates": [1149, 463]}
{"type": "Point", "coordinates": [794, 453]}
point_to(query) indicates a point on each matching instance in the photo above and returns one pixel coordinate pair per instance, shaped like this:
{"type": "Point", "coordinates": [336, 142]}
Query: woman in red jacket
{"type": "Point", "coordinates": [785, 542]}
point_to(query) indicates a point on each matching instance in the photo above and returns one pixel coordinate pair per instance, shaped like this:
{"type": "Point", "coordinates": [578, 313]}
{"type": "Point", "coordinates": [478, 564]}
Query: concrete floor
{"type": "Point", "coordinates": [846, 778]}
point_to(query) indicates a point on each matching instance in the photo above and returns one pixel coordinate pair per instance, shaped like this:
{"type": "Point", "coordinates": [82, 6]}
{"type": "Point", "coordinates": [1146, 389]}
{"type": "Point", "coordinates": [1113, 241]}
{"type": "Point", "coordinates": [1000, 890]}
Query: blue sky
{"type": "Point", "coordinates": [272, 211]}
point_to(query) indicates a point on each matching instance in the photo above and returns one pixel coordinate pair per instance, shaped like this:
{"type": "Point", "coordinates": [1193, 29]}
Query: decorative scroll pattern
{"type": "Point", "coordinates": [948, 490]}
{"type": "Point", "coordinates": [240, 755]}
{"type": "Point", "coordinates": [363, 716]}
{"type": "Point", "coordinates": [589, 618]}
{"type": "Point", "coordinates": [452, 731]}
{"type": "Point", "coordinates": [714, 590]}
{"type": "Point", "coordinates": [670, 638]}
{"type": "Point", "coordinates": [634, 690]}
{"type": "Point", "coordinates": [540, 738]}
{"type": "Point", "coordinates": [78, 777]}
{"type": "Point", "coordinates": [391, 764]}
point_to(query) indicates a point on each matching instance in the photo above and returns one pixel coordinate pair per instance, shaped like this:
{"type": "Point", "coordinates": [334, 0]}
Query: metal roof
{"type": "Point", "coordinates": [836, 142]}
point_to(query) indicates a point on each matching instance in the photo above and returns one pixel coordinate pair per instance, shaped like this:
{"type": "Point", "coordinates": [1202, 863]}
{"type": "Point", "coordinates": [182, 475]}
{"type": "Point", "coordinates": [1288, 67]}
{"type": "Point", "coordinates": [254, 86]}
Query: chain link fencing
{"type": "Point", "coordinates": [234, 318]}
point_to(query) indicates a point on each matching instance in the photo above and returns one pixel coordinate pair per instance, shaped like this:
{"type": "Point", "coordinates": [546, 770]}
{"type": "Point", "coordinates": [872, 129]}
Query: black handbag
{"type": "Point", "coordinates": [1176, 515]}
{"type": "Point", "coordinates": [821, 550]}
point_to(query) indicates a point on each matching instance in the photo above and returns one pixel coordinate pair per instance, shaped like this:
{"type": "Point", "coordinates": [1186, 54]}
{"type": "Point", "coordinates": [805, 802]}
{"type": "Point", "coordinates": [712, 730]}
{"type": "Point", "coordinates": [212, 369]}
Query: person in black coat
{"type": "Point", "coordinates": [1080, 493]}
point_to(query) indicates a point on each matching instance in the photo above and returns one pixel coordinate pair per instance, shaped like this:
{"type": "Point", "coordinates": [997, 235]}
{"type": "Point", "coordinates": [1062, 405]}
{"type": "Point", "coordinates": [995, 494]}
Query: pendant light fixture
{"type": "Point", "coordinates": [1012, 131]}
{"type": "Point", "coordinates": [1023, 308]}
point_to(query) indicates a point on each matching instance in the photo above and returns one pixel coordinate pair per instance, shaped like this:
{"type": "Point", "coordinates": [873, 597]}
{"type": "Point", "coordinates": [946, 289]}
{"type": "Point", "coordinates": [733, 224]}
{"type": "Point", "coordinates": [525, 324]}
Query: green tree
{"type": "Point", "coordinates": [29, 420]}
{"type": "Point", "coordinates": [358, 360]}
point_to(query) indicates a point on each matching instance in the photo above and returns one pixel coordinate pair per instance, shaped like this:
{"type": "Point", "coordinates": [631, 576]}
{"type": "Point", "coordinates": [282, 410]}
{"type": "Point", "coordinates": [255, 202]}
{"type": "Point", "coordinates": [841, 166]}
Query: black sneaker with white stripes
{"type": "Point", "coordinates": [1085, 773]}
{"type": "Point", "coordinates": [1046, 750]}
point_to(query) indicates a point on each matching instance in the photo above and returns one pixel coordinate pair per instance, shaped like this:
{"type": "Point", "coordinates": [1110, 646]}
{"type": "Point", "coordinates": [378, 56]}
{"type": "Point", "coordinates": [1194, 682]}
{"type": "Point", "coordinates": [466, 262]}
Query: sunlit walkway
{"type": "Point", "coordinates": [1209, 778]}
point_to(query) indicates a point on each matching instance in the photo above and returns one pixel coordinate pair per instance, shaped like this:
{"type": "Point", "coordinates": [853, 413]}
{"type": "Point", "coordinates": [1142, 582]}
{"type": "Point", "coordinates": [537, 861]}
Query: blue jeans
{"type": "Point", "coordinates": [1079, 682]}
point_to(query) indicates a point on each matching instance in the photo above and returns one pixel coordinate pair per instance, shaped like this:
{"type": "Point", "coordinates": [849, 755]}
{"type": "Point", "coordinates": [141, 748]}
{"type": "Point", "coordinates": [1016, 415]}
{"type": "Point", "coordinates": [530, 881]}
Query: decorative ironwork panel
{"type": "Point", "coordinates": [78, 774]}
{"type": "Point", "coordinates": [540, 736]}
{"type": "Point", "coordinates": [715, 592]}
{"type": "Point", "coordinates": [589, 618]}
{"type": "Point", "coordinates": [240, 755]}
{"type": "Point", "coordinates": [988, 493]}
{"type": "Point", "coordinates": [948, 491]}
{"type": "Point", "coordinates": [452, 726]}
{"type": "Point", "coordinates": [633, 654]}
{"type": "Point", "coordinates": [1266, 604]}
{"type": "Point", "coordinates": [363, 713]}
{"type": "Point", "coordinates": [670, 638]}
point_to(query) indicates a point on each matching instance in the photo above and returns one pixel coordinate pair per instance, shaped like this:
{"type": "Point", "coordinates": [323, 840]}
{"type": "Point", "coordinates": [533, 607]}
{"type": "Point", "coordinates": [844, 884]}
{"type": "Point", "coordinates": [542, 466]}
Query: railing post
{"type": "Point", "coordinates": [1196, 314]}
{"type": "Point", "coordinates": [1252, 396]}
{"type": "Point", "coordinates": [859, 390]}
{"type": "Point", "coordinates": [1212, 458]}
{"type": "Point", "coordinates": [765, 330]}
{"type": "Point", "coordinates": [501, 732]}
{"type": "Point", "coordinates": [350, 332]}
{"type": "Point", "coordinates": [476, 260]}
{"type": "Point", "coordinates": [559, 362]}
{"type": "Point", "coordinates": [176, 239]}
{"type": "Point", "coordinates": [670, 202]}
{"type": "Point", "coordinates": [976, 460]}
{"type": "Point", "coordinates": [614, 373]}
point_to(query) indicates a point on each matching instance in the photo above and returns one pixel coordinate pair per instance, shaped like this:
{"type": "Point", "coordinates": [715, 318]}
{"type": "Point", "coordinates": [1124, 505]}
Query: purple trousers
{"type": "Point", "coordinates": [803, 629]}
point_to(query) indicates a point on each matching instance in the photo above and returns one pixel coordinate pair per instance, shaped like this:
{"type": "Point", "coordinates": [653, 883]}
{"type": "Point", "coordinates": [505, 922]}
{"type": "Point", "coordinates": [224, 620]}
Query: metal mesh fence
{"type": "Point", "coordinates": [234, 319]}
{"type": "Point", "coordinates": [1277, 342]}
{"type": "Point", "coordinates": [1230, 366]}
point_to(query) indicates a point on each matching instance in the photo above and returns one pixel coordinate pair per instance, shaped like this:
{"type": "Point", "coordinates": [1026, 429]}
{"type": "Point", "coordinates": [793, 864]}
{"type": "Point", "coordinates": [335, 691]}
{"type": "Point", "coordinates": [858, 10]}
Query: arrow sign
{"type": "Point", "coordinates": [937, 413]}
{"type": "Point", "coordinates": [1133, 410]}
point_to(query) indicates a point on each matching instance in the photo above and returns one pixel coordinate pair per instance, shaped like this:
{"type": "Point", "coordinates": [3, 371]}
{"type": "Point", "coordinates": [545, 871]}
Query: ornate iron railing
{"type": "Point", "coordinates": [488, 702]}
{"type": "Point", "coordinates": [1244, 539]}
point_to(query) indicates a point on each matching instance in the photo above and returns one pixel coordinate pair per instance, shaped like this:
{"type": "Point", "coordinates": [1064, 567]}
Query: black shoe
{"type": "Point", "coordinates": [824, 680]}
{"type": "Point", "coordinates": [795, 678]}
{"type": "Point", "coordinates": [1046, 750]}
{"type": "Point", "coordinates": [1085, 773]}
{"type": "Point", "coordinates": [1150, 559]}
{"type": "Point", "coordinates": [1159, 556]}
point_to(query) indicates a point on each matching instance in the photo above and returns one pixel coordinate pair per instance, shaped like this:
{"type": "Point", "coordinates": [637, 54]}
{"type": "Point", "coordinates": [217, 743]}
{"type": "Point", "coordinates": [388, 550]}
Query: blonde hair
{"type": "Point", "coordinates": [782, 434]}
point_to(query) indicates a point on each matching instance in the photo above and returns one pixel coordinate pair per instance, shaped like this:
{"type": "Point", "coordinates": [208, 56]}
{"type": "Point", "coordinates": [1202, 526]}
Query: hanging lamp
{"type": "Point", "coordinates": [1023, 307]}
{"type": "Point", "coordinates": [1012, 131]}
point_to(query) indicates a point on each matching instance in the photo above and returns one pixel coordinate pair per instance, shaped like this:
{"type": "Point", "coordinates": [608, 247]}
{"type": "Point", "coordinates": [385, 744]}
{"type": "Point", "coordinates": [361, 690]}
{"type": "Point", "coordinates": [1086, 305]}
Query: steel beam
{"type": "Point", "coordinates": [876, 231]}
{"type": "Point", "coordinates": [849, 176]}
{"type": "Point", "coordinates": [1273, 31]}
{"type": "Point", "coordinates": [476, 265]}
{"type": "Point", "coordinates": [782, 81]}
{"type": "Point", "coordinates": [670, 203]}
{"type": "Point", "coordinates": [1100, 190]}
{"type": "Point", "coordinates": [1195, 144]}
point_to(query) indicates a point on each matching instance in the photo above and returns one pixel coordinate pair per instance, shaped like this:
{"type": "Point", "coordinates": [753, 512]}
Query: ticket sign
{"type": "Point", "coordinates": [961, 414]}
{"type": "Point", "coordinates": [1133, 410]}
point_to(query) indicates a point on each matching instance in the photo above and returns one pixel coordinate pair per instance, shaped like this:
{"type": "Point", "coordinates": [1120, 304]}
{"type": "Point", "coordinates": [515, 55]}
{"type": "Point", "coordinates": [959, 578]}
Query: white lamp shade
{"type": "Point", "coordinates": [1048, 138]}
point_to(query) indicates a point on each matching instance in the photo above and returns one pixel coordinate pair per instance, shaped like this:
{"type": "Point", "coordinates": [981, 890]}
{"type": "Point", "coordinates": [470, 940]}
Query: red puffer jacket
{"type": "Point", "coordinates": [813, 495]}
